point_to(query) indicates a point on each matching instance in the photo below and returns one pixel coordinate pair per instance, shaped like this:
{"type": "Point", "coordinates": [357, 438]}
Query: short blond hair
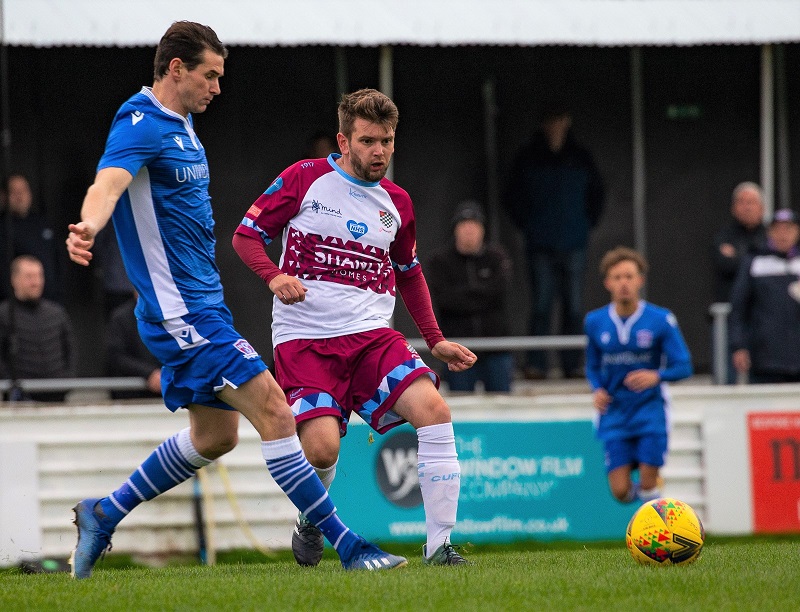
{"type": "Point", "coordinates": [619, 254]}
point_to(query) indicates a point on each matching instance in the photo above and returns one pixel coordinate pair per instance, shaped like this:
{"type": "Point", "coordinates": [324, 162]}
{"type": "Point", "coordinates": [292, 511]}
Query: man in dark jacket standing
{"type": "Point", "coordinates": [765, 316]}
{"type": "Point", "coordinates": [555, 197]}
{"type": "Point", "coordinates": [469, 283]}
{"type": "Point", "coordinates": [744, 234]}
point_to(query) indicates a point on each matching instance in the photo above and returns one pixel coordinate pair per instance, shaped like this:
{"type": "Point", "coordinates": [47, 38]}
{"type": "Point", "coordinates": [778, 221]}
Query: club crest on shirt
{"type": "Point", "coordinates": [605, 337]}
{"type": "Point", "coordinates": [386, 218]}
{"type": "Point", "coordinates": [243, 346]}
{"type": "Point", "coordinates": [644, 338]}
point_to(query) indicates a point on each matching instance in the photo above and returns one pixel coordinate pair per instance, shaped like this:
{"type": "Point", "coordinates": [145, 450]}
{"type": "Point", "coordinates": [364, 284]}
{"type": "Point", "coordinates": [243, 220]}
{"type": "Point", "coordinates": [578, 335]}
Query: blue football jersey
{"type": "Point", "coordinates": [163, 221]}
{"type": "Point", "coordinates": [649, 339]}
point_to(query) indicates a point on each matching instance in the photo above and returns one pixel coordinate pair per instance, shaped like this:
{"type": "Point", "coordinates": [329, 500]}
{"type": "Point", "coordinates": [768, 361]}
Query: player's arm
{"type": "Point", "coordinates": [98, 205]}
{"type": "Point", "coordinates": [288, 289]}
{"type": "Point", "coordinates": [600, 397]}
{"type": "Point", "coordinates": [678, 358]}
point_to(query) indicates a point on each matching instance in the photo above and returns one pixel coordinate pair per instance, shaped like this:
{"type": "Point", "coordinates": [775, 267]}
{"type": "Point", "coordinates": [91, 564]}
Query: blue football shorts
{"type": "Point", "coordinates": [201, 352]}
{"type": "Point", "coordinates": [650, 449]}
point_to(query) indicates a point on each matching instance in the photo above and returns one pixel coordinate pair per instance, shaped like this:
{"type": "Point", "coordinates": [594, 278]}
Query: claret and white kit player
{"type": "Point", "coordinates": [153, 178]}
{"type": "Point", "coordinates": [349, 244]}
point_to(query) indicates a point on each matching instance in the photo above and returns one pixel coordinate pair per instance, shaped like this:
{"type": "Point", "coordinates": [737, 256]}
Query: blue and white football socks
{"type": "Point", "coordinates": [439, 481]}
{"type": "Point", "coordinates": [288, 466]}
{"type": "Point", "coordinates": [173, 462]}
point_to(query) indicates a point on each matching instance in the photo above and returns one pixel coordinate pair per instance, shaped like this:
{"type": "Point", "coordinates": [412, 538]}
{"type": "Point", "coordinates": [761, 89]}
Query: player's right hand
{"type": "Point", "coordinates": [288, 288]}
{"type": "Point", "coordinates": [601, 399]}
{"type": "Point", "coordinates": [80, 240]}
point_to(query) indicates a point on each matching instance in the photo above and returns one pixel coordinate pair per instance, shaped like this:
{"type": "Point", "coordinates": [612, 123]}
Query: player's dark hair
{"type": "Point", "coordinates": [619, 254]}
{"type": "Point", "coordinates": [187, 41]}
{"type": "Point", "coordinates": [368, 104]}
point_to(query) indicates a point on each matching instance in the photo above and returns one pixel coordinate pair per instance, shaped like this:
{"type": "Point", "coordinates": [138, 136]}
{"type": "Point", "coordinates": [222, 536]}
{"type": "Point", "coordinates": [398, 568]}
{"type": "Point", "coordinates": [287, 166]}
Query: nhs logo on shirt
{"type": "Point", "coordinates": [357, 228]}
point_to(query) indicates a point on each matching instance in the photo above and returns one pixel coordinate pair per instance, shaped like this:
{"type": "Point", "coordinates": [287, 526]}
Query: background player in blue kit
{"type": "Point", "coordinates": [153, 179]}
{"type": "Point", "coordinates": [634, 347]}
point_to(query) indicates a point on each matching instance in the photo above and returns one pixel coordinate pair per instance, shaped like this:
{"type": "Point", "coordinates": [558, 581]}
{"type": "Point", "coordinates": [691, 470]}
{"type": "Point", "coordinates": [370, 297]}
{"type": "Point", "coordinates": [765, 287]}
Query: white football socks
{"type": "Point", "coordinates": [439, 481]}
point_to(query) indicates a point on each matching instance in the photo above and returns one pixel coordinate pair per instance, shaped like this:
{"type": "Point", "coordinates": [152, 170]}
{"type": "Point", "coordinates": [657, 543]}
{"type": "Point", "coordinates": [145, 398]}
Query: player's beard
{"type": "Point", "coordinates": [363, 172]}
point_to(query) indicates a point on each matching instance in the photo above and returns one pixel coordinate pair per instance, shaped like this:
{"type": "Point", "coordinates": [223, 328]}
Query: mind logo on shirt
{"type": "Point", "coordinates": [357, 228]}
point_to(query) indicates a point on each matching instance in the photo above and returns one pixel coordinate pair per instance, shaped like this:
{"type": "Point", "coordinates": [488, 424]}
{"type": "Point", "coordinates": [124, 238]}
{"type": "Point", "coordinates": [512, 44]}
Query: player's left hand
{"type": "Point", "coordinates": [457, 357]}
{"type": "Point", "coordinates": [639, 380]}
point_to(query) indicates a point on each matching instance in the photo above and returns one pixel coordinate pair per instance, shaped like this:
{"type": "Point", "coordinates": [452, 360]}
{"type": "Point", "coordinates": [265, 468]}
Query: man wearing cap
{"type": "Point", "coordinates": [469, 282]}
{"type": "Point", "coordinates": [765, 316]}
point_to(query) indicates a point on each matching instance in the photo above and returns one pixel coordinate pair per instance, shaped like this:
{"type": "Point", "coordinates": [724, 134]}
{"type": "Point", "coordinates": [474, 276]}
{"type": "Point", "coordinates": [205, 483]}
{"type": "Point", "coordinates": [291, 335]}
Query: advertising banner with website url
{"type": "Point", "coordinates": [519, 481]}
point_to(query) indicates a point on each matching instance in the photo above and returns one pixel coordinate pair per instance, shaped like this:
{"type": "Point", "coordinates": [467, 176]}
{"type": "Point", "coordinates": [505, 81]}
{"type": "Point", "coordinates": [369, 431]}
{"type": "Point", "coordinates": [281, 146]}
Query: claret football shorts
{"type": "Point", "coordinates": [363, 373]}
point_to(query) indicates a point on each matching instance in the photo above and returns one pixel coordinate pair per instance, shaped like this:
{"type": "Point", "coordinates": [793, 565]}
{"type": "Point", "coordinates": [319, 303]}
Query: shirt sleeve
{"type": "Point", "coordinates": [414, 291]}
{"type": "Point", "coordinates": [272, 211]}
{"type": "Point", "coordinates": [593, 357]}
{"type": "Point", "coordinates": [251, 251]}
{"type": "Point", "coordinates": [130, 145]}
{"type": "Point", "coordinates": [678, 359]}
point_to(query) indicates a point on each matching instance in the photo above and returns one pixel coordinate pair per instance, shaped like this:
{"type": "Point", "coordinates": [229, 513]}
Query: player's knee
{"type": "Point", "coordinates": [439, 412]}
{"type": "Point", "coordinates": [320, 455]}
{"type": "Point", "coordinates": [620, 491]}
{"type": "Point", "coordinates": [212, 445]}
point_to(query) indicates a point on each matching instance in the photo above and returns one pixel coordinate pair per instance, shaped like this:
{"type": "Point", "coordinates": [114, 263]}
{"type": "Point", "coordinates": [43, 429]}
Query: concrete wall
{"type": "Point", "coordinates": [51, 457]}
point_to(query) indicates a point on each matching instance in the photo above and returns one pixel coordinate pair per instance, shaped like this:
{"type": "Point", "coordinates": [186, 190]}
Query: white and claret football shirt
{"type": "Point", "coordinates": [346, 239]}
{"type": "Point", "coordinates": [649, 339]}
{"type": "Point", "coordinates": [163, 220]}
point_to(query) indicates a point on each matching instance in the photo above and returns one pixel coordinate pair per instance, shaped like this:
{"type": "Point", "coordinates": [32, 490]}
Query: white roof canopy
{"type": "Point", "coordinates": [418, 22]}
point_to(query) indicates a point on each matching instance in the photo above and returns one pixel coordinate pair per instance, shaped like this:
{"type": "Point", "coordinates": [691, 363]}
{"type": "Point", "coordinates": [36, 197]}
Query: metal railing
{"type": "Point", "coordinates": [39, 385]}
{"type": "Point", "coordinates": [719, 312]}
{"type": "Point", "coordinates": [511, 343]}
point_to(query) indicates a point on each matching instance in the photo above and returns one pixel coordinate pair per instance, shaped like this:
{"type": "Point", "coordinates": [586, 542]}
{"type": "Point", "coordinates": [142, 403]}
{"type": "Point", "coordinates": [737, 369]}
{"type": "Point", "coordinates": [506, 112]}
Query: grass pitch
{"type": "Point", "coordinates": [731, 574]}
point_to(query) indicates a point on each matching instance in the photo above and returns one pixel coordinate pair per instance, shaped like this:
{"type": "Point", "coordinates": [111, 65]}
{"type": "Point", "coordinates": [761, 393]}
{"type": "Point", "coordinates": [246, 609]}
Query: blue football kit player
{"type": "Point", "coordinates": [633, 348]}
{"type": "Point", "coordinates": [153, 181]}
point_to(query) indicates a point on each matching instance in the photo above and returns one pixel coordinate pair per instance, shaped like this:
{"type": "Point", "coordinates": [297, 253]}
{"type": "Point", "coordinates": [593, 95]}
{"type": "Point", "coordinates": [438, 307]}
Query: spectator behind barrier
{"type": "Point", "coordinates": [36, 335]}
{"type": "Point", "coordinates": [744, 233]}
{"type": "Point", "coordinates": [127, 355]}
{"type": "Point", "coordinates": [469, 283]}
{"type": "Point", "coordinates": [765, 315]}
{"type": "Point", "coordinates": [31, 235]}
{"type": "Point", "coordinates": [555, 197]}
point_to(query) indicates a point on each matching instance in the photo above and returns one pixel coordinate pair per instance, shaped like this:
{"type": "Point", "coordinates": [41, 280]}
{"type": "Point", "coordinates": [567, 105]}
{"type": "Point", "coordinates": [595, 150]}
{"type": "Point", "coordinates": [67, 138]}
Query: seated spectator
{"type": "Point", "coordinates": [36, 336]}
{"type": "Point", "coordinates": [127, 355]}
{"type": "Point", "coordinates": [744, 233]}
{"type": "Point", "coordinates": [31, 235]}
{"type": "Point", "coordinates": [765, 301]}
{"type": "Point", "coordinates": [469, 282]}
{"type": "Point", "coordinates": [117, 288]}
